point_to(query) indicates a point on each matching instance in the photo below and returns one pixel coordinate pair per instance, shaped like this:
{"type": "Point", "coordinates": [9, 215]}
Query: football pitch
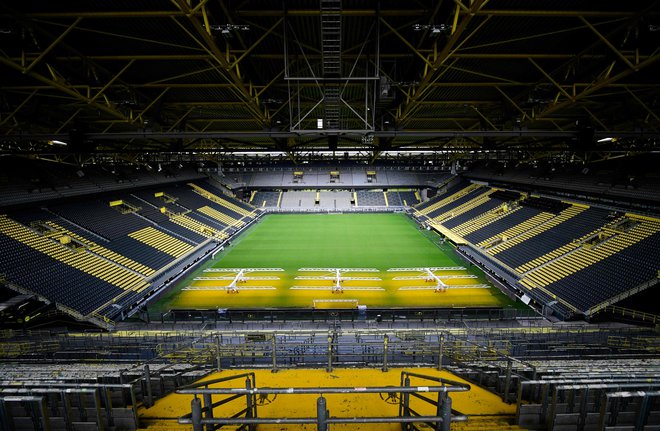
{"type": "Point", "coordinates": [298, 256]}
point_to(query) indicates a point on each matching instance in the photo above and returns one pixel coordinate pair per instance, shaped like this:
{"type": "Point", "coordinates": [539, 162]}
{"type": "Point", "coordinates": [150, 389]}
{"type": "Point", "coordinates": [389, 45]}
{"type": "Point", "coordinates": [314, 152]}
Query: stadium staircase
{"type": "Point", "coordinates": [516, 230]}
{"type": "Point", "coordinates": [221, 201]}
{"type": "Point", "coordinates": [196, 226]}
{"type": "Point", "coordinates": [465, 207]}
{"type": "Point", "coordinates": [485, 219]}
{"type": "Point", "coordinates": [221, 217]}
{"type": "Point", "coordinates": [161, 241]}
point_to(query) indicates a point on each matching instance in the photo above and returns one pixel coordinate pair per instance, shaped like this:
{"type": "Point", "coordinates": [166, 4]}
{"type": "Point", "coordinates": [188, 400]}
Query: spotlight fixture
{"type": "Point", "coordinates": [405, 84]}
{"type": "Point", "coordinates": [436, 30]}
{"type": "Point", "coordinates": [368, 139]}
{"type": "Point", "coordinates": [227, 29]}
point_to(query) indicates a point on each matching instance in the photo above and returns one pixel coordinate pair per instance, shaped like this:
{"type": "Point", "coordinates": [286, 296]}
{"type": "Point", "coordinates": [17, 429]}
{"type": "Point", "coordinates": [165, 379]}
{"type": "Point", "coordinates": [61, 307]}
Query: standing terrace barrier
{"type": "Point", "coordinates": [202, 415]}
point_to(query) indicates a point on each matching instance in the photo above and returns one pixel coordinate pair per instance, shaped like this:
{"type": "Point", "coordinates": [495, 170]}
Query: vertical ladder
{"type": "Point", "coordinates": [331, 54]}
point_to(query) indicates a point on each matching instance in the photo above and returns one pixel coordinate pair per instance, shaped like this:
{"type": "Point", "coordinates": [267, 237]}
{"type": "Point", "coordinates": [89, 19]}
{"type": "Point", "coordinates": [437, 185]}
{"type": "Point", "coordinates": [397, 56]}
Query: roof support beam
{"type": "Point", "coordinates": [555, 13]}
{"type": "Point", "coordinates": [108, 14]}
{"type": "Point", "coordinates": [344, 12]}
{"type": "Point", "coordinates": [18, 108]}
{"type": "Point", "coordinates": [65, 88]}
{"type": "Point", "coordinates": [140, 117]}
{"type": "Point", "coordinates": [653, 114]}
{"type": "Point", "coordinates": [483, 117]}
{"type": "Point", "coordinates": [457, 31]}
{"type": "Point", "coordinates": [231, 72]}
{"type": "Point", "coordinates": [408, 44]}
{"type": "Point", "coordinates": [550, 134]}
{"type": "Point", "coordinates": [52, 45]}
{"type": "Point", "coordinates": [68, 120]}
{"type": "Point", "coordinates": [608, 43]}
{"type": "Point", "coordinates": [181, 118]}
{"type": "Point", "coordinates": [515, 105]}
{"type": "Point", "coordinates": [595, 118]}
{"type": "Point", "coordinates": [114, 78]}
{"type": "Point", "coordinates": [603, 82]}
{"type": "Point", "coordinates": [256, 43]}
{"type": "Point", "coordinates": [551, 79]}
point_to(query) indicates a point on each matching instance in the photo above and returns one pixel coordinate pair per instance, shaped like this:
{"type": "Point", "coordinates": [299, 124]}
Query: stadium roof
{"type": "Point", "coordinates": [148, 75]}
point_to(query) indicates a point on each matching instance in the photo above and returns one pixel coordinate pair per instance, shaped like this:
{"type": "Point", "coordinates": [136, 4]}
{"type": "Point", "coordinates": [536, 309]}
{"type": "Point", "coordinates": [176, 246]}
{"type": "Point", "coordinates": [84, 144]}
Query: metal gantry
{"type": "Point", "coordinates": [184, 86]}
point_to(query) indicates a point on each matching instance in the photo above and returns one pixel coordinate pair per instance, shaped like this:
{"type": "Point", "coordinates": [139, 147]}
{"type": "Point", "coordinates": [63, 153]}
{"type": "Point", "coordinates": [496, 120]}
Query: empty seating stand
{"type": "Point", "coordinates": [472, 213]}
{"type": "Point", "coordinates": [408, 198]}
{"type": "Point", "coordinates": [611, 276]}
{"type": "Point", "coordinates": [555, 237]}
{"type": "Point", "coordinates": [442, 198]}
{"type": "Point", "coordinates": [100, 218]}
{"type": "Point", "coordinates": [368, 198]}
{"type": "Point", "coordinates": [29, 268]}
{"type": "Point", "coordinates": [583, 394]}
{"type": "Point", "coordinates": [266, 198]}
{"type": "Point", "coordinates": [502, 225]}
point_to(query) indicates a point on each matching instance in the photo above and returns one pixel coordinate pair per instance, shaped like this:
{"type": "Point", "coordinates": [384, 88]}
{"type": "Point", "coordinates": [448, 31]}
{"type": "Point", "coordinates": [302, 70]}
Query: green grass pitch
{"type": "Point", "coordinates": [294, 241]}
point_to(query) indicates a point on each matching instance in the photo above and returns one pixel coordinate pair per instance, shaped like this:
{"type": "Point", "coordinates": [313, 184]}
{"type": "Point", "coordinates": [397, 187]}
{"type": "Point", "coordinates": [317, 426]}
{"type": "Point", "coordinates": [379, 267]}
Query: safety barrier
{"type": "Point", "coordinates": [202, 410]}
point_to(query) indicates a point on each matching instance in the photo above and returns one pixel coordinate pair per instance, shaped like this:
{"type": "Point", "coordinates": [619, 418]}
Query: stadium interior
{"type": "Point", "coordinates": [329, 215]}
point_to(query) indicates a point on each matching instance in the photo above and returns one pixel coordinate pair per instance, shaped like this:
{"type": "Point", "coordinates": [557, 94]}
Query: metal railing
{"type": "Point", "coordinates": [203, 416]}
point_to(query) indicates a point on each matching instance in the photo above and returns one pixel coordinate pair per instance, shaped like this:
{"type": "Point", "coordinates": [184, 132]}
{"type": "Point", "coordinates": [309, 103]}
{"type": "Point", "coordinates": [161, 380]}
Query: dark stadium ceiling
{"type": "Point", "coordinates": [222, 76]}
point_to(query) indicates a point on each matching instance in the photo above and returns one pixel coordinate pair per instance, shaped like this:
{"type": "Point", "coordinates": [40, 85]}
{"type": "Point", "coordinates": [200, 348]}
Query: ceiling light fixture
{"type": "Point", "coordinates": [436, 30]}
{"type": "Point", "coordinates": [227, 29]}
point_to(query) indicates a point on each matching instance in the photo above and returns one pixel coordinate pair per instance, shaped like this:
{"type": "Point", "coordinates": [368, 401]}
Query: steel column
{"type": "Point", "coordinates": [386, 340]}
{"type": "Point", "coordinates": [196, 416]}
{"type": "Point", "coordinates": [321, 414]}
{"type": "Point", "coordinates": [146, 375]}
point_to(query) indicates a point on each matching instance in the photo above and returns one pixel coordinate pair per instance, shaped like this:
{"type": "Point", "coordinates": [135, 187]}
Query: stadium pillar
{"type": "Point", "coordinates": [404, 409]}
{"type": "Point", "coordinates": [251, 407]}
{"type": "Point", "coordinates": [507, 381]}
{"type": "Point", "coordinates": [274, 353]}
{"type": "Point", "coordinates": [66, 410]}
{"type": "Point", "coordinates": [440, 351]}
{"type": "Point", "coordinates": [444, 407]}
{"type": "Point", "coordinates": [217, 353]}
{"type": "Point", "coordinates": [644, 410]}
{"type": "Point", "coordinates": [321, 414]}
{"type": "Point", "coordinates": [147, 383]}
{"type": "Point", "coordinates": [386, 340]}
{"type": "Point", "coordinates": [329, 367]}
{"type": "Point", "coordinates": [4, 417]}
{"type": "Point", "coordinates": [208, 408]}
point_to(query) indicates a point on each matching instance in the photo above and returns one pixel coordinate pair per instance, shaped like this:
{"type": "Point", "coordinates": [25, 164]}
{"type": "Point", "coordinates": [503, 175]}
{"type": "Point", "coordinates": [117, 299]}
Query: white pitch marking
{"type": "Point", "coordinates": [333, 289]}
{"type": "Point", "coordinates": [218, 288]}
{"type": "Point", "coordinates": [461, 286]}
